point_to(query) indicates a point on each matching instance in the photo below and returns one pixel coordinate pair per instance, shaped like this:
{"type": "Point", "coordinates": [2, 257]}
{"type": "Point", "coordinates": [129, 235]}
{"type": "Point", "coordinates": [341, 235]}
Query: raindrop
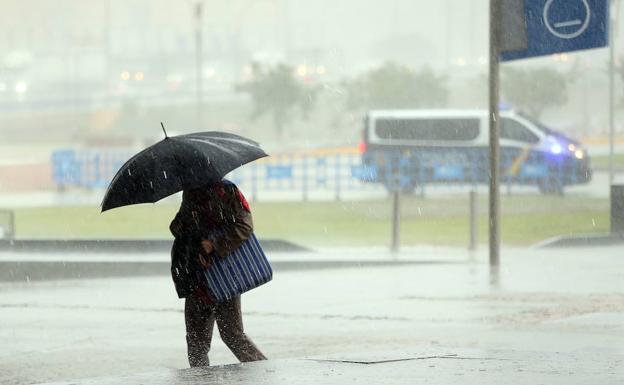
{"type": "Point", "coordinates": [151, 184]}
{"type": "Point", "coordinates": [129, 172]}
{"type": "Point", "coordinates": [593, 222]}
{"type": "Point", "coordinates": [165, 174]}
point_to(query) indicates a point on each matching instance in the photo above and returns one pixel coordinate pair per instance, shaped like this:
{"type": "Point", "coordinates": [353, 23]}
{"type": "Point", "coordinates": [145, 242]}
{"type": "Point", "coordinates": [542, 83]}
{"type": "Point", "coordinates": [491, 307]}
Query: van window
{"type": "Point", "coordinates": [427, 129]}
{"type": "Point", "coordinates": [514, 130]}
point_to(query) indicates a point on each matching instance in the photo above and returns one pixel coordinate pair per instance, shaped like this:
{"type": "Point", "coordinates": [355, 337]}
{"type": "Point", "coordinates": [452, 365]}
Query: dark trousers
{"type": "Point", "coordinates": [200, 319]}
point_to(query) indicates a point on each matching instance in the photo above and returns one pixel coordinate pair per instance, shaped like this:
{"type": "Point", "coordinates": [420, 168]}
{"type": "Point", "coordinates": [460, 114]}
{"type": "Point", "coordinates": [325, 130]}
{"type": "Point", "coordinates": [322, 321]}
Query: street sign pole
{"type": "Point", "coordinates": [494, 196]}
{"type": "Point", "coordinates": [199, 55]}
{"type": "Point", "coordinates": [535, 28]}
{"type": "Point", "coordinates": [396, 221]}
{"type": "Point", "coordinates": [611, 91]}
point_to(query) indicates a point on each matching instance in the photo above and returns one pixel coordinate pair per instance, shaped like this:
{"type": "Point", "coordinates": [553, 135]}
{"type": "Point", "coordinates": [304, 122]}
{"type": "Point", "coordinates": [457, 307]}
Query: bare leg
{"type": "Point", "coordinates": [199, 319]}
{"type": "Point", "coordinates": [230, 323]}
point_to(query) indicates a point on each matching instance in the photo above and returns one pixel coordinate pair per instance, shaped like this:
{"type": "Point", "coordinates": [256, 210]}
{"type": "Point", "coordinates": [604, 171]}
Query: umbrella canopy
{"type": "Point", "coordinates": [177, 163]}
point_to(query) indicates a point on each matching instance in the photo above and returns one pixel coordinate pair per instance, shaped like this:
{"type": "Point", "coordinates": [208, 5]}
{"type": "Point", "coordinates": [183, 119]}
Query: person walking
{"type": "Point", "coordinates": [212, 221]}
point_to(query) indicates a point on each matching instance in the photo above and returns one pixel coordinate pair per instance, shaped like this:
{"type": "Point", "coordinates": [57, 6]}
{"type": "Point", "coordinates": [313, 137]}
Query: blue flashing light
{"type": "Point", "coordinates": [555, 148]}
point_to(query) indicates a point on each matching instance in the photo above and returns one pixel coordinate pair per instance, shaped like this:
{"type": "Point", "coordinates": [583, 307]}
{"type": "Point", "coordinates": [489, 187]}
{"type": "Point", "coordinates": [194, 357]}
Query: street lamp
{"type": "Point", "coordinates": [198, 7]}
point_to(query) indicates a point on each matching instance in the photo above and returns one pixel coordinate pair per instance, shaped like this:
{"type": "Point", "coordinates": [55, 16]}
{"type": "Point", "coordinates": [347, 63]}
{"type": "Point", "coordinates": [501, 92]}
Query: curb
{"type": "Point", "coordinates": [120, 245]}
{"type": "Point", "coordinates": [584, 240]}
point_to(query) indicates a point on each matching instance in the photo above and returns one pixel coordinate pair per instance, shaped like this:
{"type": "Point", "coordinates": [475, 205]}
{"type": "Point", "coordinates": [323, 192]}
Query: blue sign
{"type": "Point", "coordinates": [65, 167]}
{"type": "Point", "coordinates": [534, 171]}
{"type": "Point", "coordinates": [364, 172]}
{"type": "Point", "coordinates": [554, 26]}
{"type": "Point", "coordinates": [279, 172]}
{"type": "Point", "coordinates": [448, 172]}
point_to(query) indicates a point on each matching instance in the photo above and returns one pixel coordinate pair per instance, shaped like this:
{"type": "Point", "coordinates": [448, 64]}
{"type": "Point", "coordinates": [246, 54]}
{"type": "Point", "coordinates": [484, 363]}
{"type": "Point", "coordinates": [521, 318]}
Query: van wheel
{"type": "Point", "coordinates": [408, 189]}
{"type": "Point", "coordinates": [550, 188]}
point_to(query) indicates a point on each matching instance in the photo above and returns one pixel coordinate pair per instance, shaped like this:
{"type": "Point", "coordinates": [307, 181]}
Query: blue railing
{"type": "Point", "coordinates": [307, 173]}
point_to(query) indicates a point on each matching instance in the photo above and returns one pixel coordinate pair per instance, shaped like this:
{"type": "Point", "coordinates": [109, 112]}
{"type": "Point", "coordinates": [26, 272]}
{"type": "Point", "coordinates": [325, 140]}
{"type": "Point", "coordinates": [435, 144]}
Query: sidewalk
{"type": "Point", "coordinates": [556, 317]}
{"type": "Point", "coordinates": [459, 366]}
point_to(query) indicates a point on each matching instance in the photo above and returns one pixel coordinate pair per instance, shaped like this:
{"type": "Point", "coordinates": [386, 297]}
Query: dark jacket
{"type": "Point", "coordinates": [218, 213]}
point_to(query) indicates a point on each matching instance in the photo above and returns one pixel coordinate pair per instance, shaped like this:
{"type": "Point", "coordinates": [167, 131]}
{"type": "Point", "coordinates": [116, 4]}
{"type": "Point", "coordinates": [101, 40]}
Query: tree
{"type": "Point", "coordinates": [394, 87]}
{"type": "Point", "coordinates": [276, 92]}
{"type": "Point", "coordinates": [534, 90]}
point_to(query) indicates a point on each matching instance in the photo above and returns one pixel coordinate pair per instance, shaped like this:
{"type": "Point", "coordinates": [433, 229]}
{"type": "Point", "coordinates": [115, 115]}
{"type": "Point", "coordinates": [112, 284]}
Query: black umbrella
{"type": "Point", "coordinates": [177, 163]}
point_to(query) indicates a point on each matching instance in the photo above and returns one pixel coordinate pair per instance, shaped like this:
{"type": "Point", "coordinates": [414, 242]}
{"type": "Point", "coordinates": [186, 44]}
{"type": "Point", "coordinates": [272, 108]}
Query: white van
{"type": "Point", "coordinates": [442, 146]}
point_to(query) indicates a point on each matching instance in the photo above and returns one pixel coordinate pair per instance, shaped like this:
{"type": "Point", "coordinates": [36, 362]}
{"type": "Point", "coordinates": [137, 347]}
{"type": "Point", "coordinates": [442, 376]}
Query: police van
{"type": "Point", "coordinates": [403, 149]}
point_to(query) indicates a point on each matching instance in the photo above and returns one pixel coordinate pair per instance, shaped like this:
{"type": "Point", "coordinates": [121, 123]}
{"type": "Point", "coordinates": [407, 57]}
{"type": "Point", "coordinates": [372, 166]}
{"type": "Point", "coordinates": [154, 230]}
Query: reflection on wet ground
{"type": "Point", "coordinates": [567, 301]}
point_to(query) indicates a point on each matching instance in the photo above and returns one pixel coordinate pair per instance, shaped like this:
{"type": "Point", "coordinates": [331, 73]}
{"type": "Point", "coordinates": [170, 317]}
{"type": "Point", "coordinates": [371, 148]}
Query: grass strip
{"type": "Point", "coordinates": [441, 221]}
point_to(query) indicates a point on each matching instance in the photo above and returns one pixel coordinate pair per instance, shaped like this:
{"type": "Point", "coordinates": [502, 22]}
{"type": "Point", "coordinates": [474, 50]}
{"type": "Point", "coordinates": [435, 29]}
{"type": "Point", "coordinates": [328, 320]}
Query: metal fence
{"type": "Point", "coordinates": [302, 173]}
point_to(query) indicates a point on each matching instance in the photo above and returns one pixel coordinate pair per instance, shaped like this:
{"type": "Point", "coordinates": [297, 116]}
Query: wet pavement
{"type": "Point", "coordinates": [556, 316]}
{"type": "Point", "coordinates": [465, 367]}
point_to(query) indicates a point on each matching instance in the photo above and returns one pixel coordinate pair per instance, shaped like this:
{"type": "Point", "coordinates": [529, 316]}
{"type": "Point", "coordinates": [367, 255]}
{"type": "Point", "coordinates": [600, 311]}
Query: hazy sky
{"type": "Point", "coordinates": [416, 29]}
{"type": "Point", "coordinates": [351, 33]}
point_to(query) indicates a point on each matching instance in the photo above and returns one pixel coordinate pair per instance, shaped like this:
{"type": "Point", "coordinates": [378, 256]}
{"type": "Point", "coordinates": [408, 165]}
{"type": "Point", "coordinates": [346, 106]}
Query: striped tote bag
{"type": "Point", "coordinates": [245, 269]}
